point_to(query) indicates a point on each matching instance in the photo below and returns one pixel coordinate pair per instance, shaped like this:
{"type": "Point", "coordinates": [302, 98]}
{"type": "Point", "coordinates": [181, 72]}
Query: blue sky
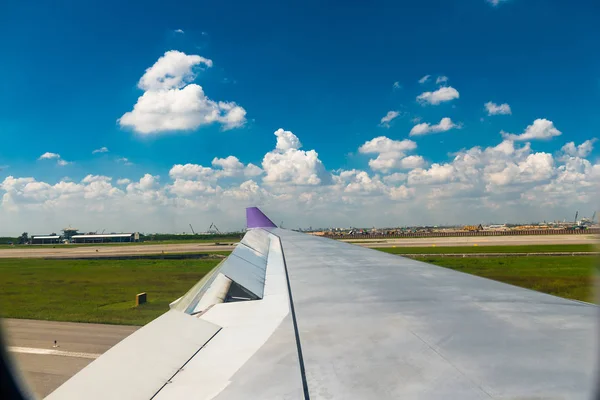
{"type": "Point", "coordinates": [324, 71]}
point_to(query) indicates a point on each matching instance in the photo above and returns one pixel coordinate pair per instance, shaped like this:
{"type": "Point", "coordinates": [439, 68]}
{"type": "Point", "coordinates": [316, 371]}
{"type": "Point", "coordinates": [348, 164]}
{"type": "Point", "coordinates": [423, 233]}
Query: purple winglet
{"type": "Point", "coordinates": [256, 219]}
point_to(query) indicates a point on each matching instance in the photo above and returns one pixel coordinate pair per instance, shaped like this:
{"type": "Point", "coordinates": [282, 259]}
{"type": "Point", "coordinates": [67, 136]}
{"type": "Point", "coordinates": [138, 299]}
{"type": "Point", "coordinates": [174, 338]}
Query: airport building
{"type": "Point", "coordinates": [106, 238]}
{"type": "Point", "coordinates": [45, 239]}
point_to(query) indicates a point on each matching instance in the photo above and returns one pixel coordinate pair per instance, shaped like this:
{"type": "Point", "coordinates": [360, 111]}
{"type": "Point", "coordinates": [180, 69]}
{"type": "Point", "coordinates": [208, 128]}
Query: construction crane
{"type": "Point", "coordinates": [216, 230]}
{"type": "Point", "coordinates": [193, 233]}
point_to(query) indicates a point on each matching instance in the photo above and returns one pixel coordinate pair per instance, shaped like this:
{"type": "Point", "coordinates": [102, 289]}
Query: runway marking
{"type": "Point", "coordinates": [51, 352]}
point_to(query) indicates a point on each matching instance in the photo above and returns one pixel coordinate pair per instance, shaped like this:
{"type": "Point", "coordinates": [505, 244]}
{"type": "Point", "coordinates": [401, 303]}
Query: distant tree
{"type": "Point", "coordinates": [24, 238]}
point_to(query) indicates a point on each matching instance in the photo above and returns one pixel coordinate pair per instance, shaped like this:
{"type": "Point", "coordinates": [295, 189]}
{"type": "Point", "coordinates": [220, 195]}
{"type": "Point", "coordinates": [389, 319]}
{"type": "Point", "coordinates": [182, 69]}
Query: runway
{"type": "Point", "coordinates": [45, 367]}
{"type": "Point", "coordinates": [478, 240]}
{"type": "Point", "coordinates": [62, 251]}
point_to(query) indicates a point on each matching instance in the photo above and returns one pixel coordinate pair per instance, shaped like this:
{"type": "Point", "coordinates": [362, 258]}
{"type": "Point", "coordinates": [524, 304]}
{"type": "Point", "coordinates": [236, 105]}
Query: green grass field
{"type": "Point", "coordinates": [544, 248]}
{"type": "Point", "coordinates": [570, 277]}
{"type": "Point", "coordinates": [101, 291]}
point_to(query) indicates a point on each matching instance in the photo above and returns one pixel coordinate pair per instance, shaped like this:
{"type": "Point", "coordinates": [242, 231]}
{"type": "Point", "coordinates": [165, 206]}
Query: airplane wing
{"type": "Point", "coordinates": [293, 316]}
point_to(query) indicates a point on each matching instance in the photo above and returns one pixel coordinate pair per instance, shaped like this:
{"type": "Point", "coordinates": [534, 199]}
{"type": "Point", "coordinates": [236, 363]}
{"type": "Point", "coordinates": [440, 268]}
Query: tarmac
{"type": "Point", "coordinates": [44, 367]}
{"type": "Point", "coordinates": [478, 240]}
{"type": "Point", "coordinates": [66, 251]}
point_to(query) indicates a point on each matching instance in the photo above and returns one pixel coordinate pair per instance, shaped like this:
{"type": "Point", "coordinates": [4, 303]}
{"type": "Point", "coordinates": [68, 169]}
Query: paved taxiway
{"type": "Point", "coordinates": [45, 367]}
{"type": "Point", "coordinates": [62, 250]}
{"type": "Point", "coordinates": [479, 241]}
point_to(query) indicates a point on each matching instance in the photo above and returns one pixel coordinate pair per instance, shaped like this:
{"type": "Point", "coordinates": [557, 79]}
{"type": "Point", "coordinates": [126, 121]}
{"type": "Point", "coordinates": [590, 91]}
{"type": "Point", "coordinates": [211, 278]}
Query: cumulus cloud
{"type": "Point", "coordinates": [49, 156]}
{"type": "Point", "coordinates": [508, 181]}
{"type": "Point", "coordinates": [425, 128]}
{"type": "Point", "coordinates": [96, 178]}
{"type": "Point", "coordinates": [541, 129]}
{"type": "Point", "coordinates": [497, 109]}
{"type": "Point", "coordinates": [179, 31]}
{"type": "Point", "coordinates": [286, 164]}
{"type": "Point", "coordinates": [171, 102]}
{"type": "Point", "coordinates": [391, 153]}
{"type": "Point", "coordinates": [232, 167]}
{"type": "Point", "coordinates": [391, 115]}
{"type": "Point", "coordinates": [396, 177]}
{"type": "Point", "coordinates": [286, 140]}
{"type": "Point", "coordinates": [396, 85]}
{"type": "Point", "coordinates": [441, 79]}
{"type": "Point", "coordinates": [536, 167]}
{"type": "Point", "coordinates": [54, 156]}
{"type": "Point", "coordinates": [441, 95]}
{"type": "Point", "coordinates": [411, 162]}
{"type": "Point", "coordinates": [435, 174]}
{"type": "Point", "coordinates": [583, 150]}
{"type": "Point", "coordinates": [424, 79]}
{"type": "Point", "coordinates": [100, 150]}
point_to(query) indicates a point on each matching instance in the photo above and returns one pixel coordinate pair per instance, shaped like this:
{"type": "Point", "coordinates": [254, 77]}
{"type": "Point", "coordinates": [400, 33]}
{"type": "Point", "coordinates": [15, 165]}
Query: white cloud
{"type": "Point", "coordinates": [383, 144]}
{"type": "Point", "coordinates": [536, 167]}
{"type": "Point", "coordinates": [359, 182]}
{"type": "Point", "coordinates": [508, 181]}
{"type": "Point", "coordinates": [125, 161]}
{"type": "Point", "coordinates": [96, 178]}
{"type": "Point", "coordinates": [391, 115]}
{"type": "Point", "coordinates": [401, 193]}
{"type": "Point", "coordinates": [443, 94]}
{"type": "Point", "coordinates": [583, 150]}
{"type": "Point", "coordinates": [497, 109]}
{"type": "Point", "coordinates": [191, 171]}
{"type": "Point", "coordinates": [49, 156]}
{"type": "Point", "coordinates": [396, 85]}
{"type": "Point", "coordinates": [171, 102]}
{"type": "Point", "coordinates": [436, 174]}
{"type": "Point", "coordinates": [425, 128]}
{"type": "Point", "coordinates": [173, 70]}
{"type": "Point", "coordinates": [424, 79]}
{"type": "Point", "coordinates": [396, 177]}
{"type": "Point", "coordinates": [286, 140]}
{"type": "Point", "coordinates": [232, 167]}
{"type": "Point", "coordinates": [179, 31]}
{"type": "Point", "coordinates": [540, 129]}
{"type": "Point", "coordinates": [391, 153]}
{"type": "Point", "coordinates": [441, 79]}
{"type": "Point", "coordinates": [411, 162]}
{"type": "Point", "coordinates": [100, 150]}
{"type": "Point", "coordinates": [287, 164]}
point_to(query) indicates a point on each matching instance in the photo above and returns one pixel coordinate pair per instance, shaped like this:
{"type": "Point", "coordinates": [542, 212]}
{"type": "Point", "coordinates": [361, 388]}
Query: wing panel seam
{"type": "Point", "coordinates": [184, 364]}
{"type": "Point", "coordinates": [295, 323]}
